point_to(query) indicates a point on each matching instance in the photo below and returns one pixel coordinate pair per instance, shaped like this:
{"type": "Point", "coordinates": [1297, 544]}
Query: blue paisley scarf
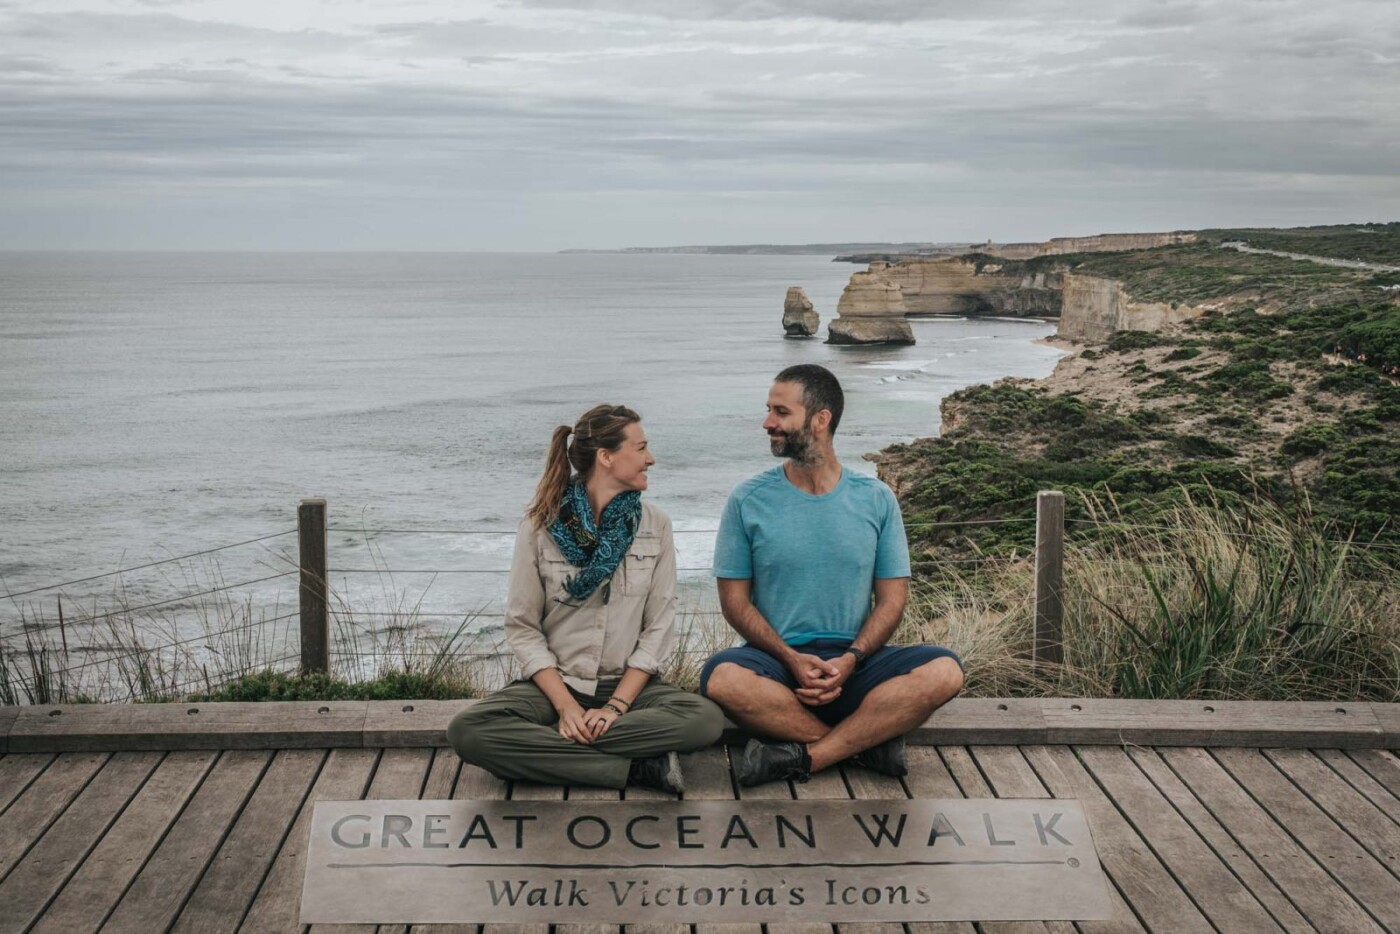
{"type": "Point", "coordinates": [596, 550]}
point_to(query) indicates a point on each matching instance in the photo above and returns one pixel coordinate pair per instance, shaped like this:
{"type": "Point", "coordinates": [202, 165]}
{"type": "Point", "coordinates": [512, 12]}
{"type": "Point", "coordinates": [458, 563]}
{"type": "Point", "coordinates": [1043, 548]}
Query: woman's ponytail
{"type": "Point", "coordinates": [550, 492]}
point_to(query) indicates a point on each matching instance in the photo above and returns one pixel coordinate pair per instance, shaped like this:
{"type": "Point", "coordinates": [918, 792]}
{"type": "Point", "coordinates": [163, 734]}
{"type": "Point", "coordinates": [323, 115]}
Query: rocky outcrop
{"type": "Point", "coordinates": [1103, 243]}
{"type": "Point", "coordinates": [800, 318]}
{"type": "Point", "coordinates": [871, 311]}
{"type": "Point", "coordinates": [968, 285]}
{"type": "Point", "coordinates": [1095, 307]}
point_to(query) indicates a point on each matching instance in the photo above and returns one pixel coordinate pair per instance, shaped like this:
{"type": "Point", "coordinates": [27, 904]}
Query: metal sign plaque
{"type": "Point", "coordinates": [701, 861]}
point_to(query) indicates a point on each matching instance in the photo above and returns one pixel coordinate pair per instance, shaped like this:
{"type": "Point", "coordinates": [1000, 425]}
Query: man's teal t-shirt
{"type": "Point", "coordinates": [813, 560]}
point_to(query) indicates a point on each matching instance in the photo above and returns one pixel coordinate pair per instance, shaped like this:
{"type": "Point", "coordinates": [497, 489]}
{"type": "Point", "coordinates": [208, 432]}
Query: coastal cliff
{"type": "Point", "coordinates": [1101, 243]}
{"type": "Point", "coordinates": [800, 318]}
{"type": "Point", "coordinates": [972, 285]}
{"type": "Point", "coordinates": [871, 311]}
{"type": "Point", "coordinates": [1199, 373]}
{"type": "Point", "coordinates": [1093, 308]}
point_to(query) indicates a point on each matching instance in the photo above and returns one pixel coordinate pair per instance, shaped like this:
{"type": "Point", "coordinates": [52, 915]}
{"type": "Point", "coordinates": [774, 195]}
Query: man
{"type": "Point", "coordinates": [801, 549]}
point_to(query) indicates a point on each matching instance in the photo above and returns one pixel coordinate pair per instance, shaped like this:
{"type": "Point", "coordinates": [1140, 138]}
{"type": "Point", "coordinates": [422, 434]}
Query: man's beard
{"type": "Point", "coordinates": [797, 446]}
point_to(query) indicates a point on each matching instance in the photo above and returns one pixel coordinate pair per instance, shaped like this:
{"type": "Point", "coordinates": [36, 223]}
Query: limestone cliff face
{"type": "Point", "coordinates": [871, 311]}
{"type": "Point", "coordinates": [1103, 243]}
{"type": "Point", "coordinates": [1095, 307]}
{"type": "Point", "coordinates": [959, 285]}
{"type": "Point", "coordinates": [800, 318]}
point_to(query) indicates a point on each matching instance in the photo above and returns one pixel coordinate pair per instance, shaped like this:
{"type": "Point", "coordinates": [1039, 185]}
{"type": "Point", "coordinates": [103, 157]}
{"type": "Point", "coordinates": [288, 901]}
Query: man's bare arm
{"type": "Point", "coordinates": [891, 595]}
{"type": "Point", "coordinates": [748, 622]}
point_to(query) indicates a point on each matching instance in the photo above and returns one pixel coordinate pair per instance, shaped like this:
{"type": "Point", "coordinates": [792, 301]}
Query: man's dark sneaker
{"type": "Point", "coordinates": [771, 762]}
{"type": "Point", "coordinates": [886, 758]}
{"type": "Point", "coordinates": [660, 772]}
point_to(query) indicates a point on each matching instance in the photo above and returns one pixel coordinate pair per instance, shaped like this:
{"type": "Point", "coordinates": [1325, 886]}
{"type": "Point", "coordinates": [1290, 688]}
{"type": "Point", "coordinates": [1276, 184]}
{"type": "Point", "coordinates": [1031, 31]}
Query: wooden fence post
{"type": "Point", "coordinates": [1049, 578]}
{"type": "Point", "coordinates": [315, 621]}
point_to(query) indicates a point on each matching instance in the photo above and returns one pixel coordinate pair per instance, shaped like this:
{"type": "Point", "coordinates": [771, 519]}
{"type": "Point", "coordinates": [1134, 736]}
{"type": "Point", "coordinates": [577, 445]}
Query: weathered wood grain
{"type": "Point", "coordinates": [1323, 903]}
{"type": "Point", "coordinates": [1365, 783]}
{"type": "Point", "coordinates": [1383, 766]}
{"type": "Point", "coordinates": [105, 874]}
{"type": "Point", "coordinates": [777, 791]}
{"type": "Point", "coordinates": [863, 784]}
{"type": "Point", "coordinates": [7, 719]}
{"type": "Point", "coordinates": [982, 720]}
{"type": "Point", "coordinates": [401, 774]}
{"type": "Point", "coordinates": [1011, 776]}
{"type": "Point", "coordinates": [1215, 890]}
{"type": "Point", "coordinates": [474, 784]}
{"type": "Point", "coordinates": [161, 887]}
{"type": "Point", "coordinates": [411, 722]}
{"type": "Point", "coordinates": [707, 778]}
{"type": "Point", "coordinates": [1218, 839]}
{"type": "Point", "coordinates": [442, 775]}
{"type": "Point", "coordinates": [527, 791]}
{"type": "Point", "coordinates": [49, 863]}
{"type": "Point", "coordinates": [277, 907]}
{"type": "Point", "coordinates": [95, 727]}
{"type": "Point", "coordinates": [1144, 883]}
{"type": "Point", "coordinates": [1343, 804]}
{"type": "Point", "coordinates": [1375, 889]}
{"type": "Point", "coordinates": [231, 882]}
{"type": "Point", "coordinates": [584, 793]}
{"type": "Point", "coordinates": [16, 772]}
{"type": "Point", "coordinates": [41, 804]}
{"type": "Point", "coordinates": [1388, 716]}
{"type": "Point", "coordinates": [1209, 723]}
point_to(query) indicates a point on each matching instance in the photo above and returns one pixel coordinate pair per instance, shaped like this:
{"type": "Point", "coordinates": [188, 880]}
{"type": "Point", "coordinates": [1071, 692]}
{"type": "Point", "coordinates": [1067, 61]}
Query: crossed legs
{"type": "Point", "coordinates": [768, 708]}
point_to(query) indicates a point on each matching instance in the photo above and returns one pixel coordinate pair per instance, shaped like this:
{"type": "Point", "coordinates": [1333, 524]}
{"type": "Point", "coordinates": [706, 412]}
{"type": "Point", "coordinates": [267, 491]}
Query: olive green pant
{"type": "Point", "coordinates": [514, 734]}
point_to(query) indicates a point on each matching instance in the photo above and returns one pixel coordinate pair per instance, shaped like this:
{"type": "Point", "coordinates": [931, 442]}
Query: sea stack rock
{"type": "Point", "coordinates": [800, 319]}
{"type": "Point", "coordinates": [871, 311]}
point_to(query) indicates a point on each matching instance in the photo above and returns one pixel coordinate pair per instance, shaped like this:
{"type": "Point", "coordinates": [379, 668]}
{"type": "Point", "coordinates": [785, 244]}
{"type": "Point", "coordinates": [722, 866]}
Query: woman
{"type": "Point", "coordinates": [591, 619]}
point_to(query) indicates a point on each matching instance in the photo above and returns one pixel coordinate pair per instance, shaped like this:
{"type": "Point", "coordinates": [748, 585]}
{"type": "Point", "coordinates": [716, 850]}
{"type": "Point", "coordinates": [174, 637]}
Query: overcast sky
{"type": "Point", "coordinates": [548, 124]}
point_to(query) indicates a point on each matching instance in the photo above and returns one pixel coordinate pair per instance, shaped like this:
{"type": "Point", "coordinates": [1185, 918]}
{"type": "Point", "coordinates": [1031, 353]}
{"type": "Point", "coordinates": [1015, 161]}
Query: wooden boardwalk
{"type": "Point", "coordinates": [1216, 835]}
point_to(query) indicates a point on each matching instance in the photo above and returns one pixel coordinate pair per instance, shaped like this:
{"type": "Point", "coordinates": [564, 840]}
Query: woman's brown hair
{"type": "Point", "coordinates": [601, 428]}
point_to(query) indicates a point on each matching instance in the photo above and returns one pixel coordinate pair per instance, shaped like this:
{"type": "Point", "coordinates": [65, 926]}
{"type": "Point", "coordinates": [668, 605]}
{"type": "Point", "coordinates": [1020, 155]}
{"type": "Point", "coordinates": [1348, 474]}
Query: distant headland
{"type": "Point", "coordinates": [799, 249]}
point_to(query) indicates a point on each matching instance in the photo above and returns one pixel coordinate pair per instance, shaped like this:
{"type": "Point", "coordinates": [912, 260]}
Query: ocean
{"type": "Point", "coordinates": [159, 404]}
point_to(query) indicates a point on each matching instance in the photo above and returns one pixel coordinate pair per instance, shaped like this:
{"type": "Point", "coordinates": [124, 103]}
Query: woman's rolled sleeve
{"type": "Point", "coordinates": [524, 617]}
{"type": "Point", "coordinates": [658, 633]}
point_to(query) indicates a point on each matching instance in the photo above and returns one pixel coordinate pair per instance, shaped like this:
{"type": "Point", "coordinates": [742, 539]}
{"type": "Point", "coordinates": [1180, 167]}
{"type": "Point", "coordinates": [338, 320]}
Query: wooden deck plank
{"type": "Point", "coordinates": [231, 882]}
{"type": "Point", "coordinates": [1219, 840]}
{"type": "Point", "coordinates": [277, 907]}
{"type": "Point", "coordinates": [590, 793]}
{"type": "Point", "coordinates": [7, 721]}
{"type": "Point", "coordinates": [473, 784]}
{"type": "Point", "coordinates": [1388, 716]}
{"type": "Point", "coordinates": [1208, 882]}
{"type": "Point", "coordinates": [57, 855]}
{"type": "Point", "coordinates": [1375, 889]}
{"type": "Point", "coordinates": [707, 778]}
{"type": "Point", "coordinates": [160, 889]}
{"type": "Point", "coordinates": [402, 773]}
{"type": "Point", "coordinates": [442, 775]}
{"type": "Point", "coordinates": [1011, 776]}
{"type": "Point", "coordinates": [1350, 809]}
{"type": "Point", "coordinates": [409, 723]}
{"type": "Point", "coordinates": [438, 783]}
{"type": "Point", "coordinates": [1142, 881]}
{"type": "Point", "coordinates": [97, 727]}
{"type": "Point", "coordinates": [1383, 766]}
{"type": "Point", "coordinates": [1363, 781]}
{"type": "Point", "coordinates": [982, 720]}
{"type": "Point", "coordinates": [527, 791]}
{"type": "Point", "coordinates": [970, 780]}
{"type": "Point", "coordinates": [103, 877]}
{"type": "Point", "coordinates": [42, 803]}
{"type": "Point", "coordinates": [16, 772]}
{"type": "Point", "coordinates": [863, 784]}
{"type": "Point", "coordinates": [777, 791]}
{"type": "Point", "coordinates": [1322, 902]}
{"type": "Point", "coordinates": [1209, 723]}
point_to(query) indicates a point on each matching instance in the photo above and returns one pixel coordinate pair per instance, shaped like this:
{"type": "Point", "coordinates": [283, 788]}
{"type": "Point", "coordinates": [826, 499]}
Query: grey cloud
{"type": "Point", "coordinates": [881, 11]}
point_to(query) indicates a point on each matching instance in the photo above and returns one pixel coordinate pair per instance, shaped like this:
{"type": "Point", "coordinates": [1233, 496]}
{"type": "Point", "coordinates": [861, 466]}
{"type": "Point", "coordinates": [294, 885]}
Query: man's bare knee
{"type": "Point", "coordinates": [940, 680]}
{"type": "Point", "coordinates": [728, 683]}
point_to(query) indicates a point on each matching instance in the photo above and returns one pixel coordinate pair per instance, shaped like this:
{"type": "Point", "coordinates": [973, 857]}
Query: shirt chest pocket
{"type": "Point", "coordinates": [639, 565]}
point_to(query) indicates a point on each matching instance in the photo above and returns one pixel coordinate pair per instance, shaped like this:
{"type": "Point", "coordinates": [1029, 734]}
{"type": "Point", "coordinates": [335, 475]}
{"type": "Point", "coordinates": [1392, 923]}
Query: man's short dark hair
{"type": "Point", "coordinates": [820, 390]}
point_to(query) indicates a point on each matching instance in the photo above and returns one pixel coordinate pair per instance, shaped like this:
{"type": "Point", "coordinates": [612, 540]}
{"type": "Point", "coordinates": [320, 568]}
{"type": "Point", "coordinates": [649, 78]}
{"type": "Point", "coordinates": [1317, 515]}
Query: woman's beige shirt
{"type": "Point", "coordinates": [628, 622]}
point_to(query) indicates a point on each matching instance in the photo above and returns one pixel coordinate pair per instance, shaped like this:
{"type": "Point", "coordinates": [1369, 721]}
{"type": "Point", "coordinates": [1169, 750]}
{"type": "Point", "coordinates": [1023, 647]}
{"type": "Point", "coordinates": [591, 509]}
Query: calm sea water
{"type": "Point", "coordinates": [158, 404]}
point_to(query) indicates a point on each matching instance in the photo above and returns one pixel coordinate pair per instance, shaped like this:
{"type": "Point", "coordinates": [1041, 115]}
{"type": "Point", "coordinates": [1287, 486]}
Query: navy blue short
{"type": "Point", "coordinates": [888, 662]}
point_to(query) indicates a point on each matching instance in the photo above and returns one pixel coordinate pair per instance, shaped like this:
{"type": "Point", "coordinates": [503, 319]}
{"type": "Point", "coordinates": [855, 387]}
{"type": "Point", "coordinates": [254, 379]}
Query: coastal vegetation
{"type": "Point", "coordinates": [1274, 418]}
